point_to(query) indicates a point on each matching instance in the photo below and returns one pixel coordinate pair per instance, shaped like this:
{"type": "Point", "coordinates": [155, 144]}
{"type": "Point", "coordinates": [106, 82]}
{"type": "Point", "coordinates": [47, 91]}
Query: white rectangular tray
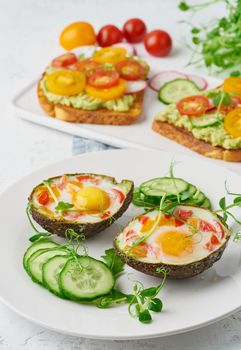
{"type": "Point", "coordinates": [138, 135]}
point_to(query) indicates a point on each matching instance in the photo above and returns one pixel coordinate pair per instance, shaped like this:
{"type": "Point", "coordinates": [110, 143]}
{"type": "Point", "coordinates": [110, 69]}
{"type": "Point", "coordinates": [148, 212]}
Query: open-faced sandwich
{"type": "Point", "coordinates": [86, 203]}
{"type": "Point", "coordinates": [106, 88]}
{"type": "Point", "coordinates": [208, 122]}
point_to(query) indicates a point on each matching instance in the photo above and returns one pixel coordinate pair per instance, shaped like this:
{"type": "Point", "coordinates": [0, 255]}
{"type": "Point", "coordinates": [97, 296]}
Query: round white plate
{"type": "Point", "coordinates": [188, 304]}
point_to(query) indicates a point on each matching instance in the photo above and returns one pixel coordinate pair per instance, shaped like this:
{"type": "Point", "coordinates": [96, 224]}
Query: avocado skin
{"type": "Point", "coordinates": [59, 227]}
{"type": "Point", "coordinates": [175, 271]}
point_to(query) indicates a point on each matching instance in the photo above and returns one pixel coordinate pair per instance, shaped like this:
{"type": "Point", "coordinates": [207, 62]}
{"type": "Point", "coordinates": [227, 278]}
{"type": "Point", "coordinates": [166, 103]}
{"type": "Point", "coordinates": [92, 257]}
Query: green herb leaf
{"type": "Point", "coordinates": [34, 238]}
{"type": "Point", "coordinates": [149, 292]}
{"type": "Point", "coordinates": [183, 6]}
{"type": "Point", "coordinates": [62, 206]}
{"type": "Point", "coordinates": [155, 305]}
{"type": "Point", "coordinates": [222, 203]}
{"type": "Point", "coordinates": [237, 201]}
{"type": "Point", "coordinates": [237, 236]}
{"type": "Point", "coordinates": [113, 261]}
{"type": "Point", "coordinates": [235, 73]}
{"type": "Point", "coordinates": [144, 316]}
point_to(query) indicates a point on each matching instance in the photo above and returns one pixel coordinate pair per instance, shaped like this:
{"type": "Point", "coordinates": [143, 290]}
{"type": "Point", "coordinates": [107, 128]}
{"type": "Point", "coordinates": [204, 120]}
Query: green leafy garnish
{"type": "Point", "coordinates": [63, 206]}
{"type": "Point", "coordinates": [38, 234]}
{"type": "Point", "coordinates": [115, 264]}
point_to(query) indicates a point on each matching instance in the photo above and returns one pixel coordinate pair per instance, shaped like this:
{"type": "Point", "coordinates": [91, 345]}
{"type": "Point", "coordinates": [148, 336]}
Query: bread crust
{"type": "Point", "coordinates": [187, 139]}
{"type": "Point", "coordinates": [99, 116]}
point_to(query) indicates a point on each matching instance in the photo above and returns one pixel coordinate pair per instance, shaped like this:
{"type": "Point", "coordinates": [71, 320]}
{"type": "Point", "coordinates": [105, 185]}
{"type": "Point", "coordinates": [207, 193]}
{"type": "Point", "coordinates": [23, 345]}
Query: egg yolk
{"type": "Point", "coordinates": [91, 199]}
{"type": "Point", "coordinates": [174, 243]}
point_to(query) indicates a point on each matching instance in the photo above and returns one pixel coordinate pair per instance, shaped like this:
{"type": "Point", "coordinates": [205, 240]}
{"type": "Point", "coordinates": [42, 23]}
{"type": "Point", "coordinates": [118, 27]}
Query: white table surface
{"type": "Point", "coordinates": [29, 32]}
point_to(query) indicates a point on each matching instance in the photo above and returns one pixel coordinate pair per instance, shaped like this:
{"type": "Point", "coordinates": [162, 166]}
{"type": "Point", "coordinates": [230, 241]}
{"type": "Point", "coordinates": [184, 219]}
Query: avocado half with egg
{"type": "Point", "coordinates": [186, 243]}
{"type": "Point", "coordinates": [87, 203]}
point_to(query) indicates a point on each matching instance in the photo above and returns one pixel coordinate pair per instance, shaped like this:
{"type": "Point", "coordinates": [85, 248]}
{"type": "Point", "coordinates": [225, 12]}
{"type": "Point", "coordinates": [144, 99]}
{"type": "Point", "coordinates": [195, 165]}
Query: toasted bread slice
{"type": "Point", "coordinates": [187, 139]}
{"type": "Point", "coordinates": [99, 116]}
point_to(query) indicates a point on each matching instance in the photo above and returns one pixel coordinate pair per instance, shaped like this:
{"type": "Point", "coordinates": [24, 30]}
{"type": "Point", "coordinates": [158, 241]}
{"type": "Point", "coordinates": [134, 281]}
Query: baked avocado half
{"type": "Point", "coordinates": [186, 243]}
{"type": "Point", "coordinates": [87, 203]}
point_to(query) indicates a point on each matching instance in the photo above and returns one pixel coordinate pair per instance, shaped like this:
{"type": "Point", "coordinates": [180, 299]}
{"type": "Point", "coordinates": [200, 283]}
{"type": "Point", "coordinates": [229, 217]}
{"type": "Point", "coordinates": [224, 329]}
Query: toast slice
{"type": "Point", "coordinates": [187, 139]}
{"type": "Point", "coordinates": [99, 116]}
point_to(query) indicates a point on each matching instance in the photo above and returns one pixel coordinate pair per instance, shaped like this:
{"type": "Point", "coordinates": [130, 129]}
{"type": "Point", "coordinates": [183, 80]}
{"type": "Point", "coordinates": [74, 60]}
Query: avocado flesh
{"type": "Point", "coordinates": [59, 226]}
{"type": "Point", "coordinates": [175, 271]}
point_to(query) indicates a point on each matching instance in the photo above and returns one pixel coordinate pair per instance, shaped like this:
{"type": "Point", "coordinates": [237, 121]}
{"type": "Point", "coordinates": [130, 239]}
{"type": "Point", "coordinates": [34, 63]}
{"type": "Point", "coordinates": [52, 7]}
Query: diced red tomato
{"type": "Point", "coordinates": [83, 178]}
{"type": "Point", "coordinates": [73, 216]}
{"type": "Point", "coordinates": [143, 219]}
{"type": "Point", "coordinates": [209, 246]}
{"type": "Point", "coordinates": [183, 215]}
{"type": "Point", "coordinates": [221, 229]}
{"type": "Point", "coordinates": [43, 199]}
{"type": "Point", "coordinates": [130, 235]}
{"type": "Point", "coordinates": [206, 226]}
{"type": "Point", "coordinates": [63, 182]}
{"type": "Point", "coordinates": [105, 215]}
{"type": "Point", "coordinates": [64, 60]}
{"type": "Point", "coordinates": [214, 240]}
{"type": "Point", "coordinates": [120, 195]}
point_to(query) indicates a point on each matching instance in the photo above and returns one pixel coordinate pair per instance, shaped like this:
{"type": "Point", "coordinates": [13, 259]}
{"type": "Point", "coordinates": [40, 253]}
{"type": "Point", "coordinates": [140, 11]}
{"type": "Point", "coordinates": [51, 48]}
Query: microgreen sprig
{"type": "Point", "coordinates": [38, 234]}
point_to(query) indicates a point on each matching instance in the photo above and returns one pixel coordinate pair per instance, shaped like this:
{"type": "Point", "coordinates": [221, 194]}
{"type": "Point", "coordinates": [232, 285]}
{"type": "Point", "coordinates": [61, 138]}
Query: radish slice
{"type": "Point", "coordinates": [128, 47]}
{"type": "Point", "coordinates": [199, 81]}
{"type": "Point", "coordinates": [159, 79]}
{"type": "Point", "coordinates": [134, 87]}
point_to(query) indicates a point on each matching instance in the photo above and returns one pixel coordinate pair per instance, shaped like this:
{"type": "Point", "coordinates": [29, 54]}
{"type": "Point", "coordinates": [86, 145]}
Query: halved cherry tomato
{"type": "Point", "coordinates": [130, 70]}
{"type": "Point", "coordinates": [112, 55]}
{"type": "Point", "coordinates": [77, 34]}
{"type": "Point", "coordinates": [193, 105]}
{"type": "Point", "coordinates": [104, 79]}
{"type": "Point", "coordinates": [109, 35]}
{"type": "Point", "coordinates": [120, 195]}
{"type": "Point", "coordinates": [232, 85]}
{"type": "Point", "coordinates": [107, 94]}
{"type": "Point", "coordinates": [87, 66]}
{"type": "Point", "coordinates": [64, 60]}
{"type": "Point", "coordinates": [232, 122]}
{"type": "Point", "coordinates": [65, 82]}
{"type": "Point", "coordinates": [44, 197]}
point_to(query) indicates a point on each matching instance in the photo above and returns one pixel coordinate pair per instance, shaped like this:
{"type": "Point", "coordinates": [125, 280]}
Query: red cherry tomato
{"type": "Point", "coordinates": [206, 226]}
{"type": "Point", "coordinates": [64, 60]}
{"type": "Point", "coordinates": [193, 105]}
{"type": "Point", "coordinates": [109, 35]}
{"type": "Point", "coordinates": [134, 30]}
{"type": "Point", "coordinates": [86, 66]}
{"type": "Point", "coordinates": [143, 219]}
{"type": "Point", "coordinates": [130, 70]}
{"type": "Point", "coordinates": [158, 43]}
{"type": "Point", "coordinates": [214, 240]}
{"type": "Point", "coordinates": [43, 198]}
{"type": "Point", "coordinates": [104, 79]}
{"type": "Point", "coordinates": [183, 215]}
{"type": "Point", "coordinates": [120, 195]}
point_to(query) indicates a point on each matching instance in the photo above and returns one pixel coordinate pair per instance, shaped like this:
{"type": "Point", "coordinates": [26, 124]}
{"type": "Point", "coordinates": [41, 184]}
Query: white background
{"type": "Point", "coordinates": [29, 33]}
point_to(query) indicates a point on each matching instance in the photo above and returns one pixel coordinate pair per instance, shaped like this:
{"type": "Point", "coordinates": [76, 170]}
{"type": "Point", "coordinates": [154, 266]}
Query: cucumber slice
{"type": "Point", "coordinates": [36, 261]}
{"type": "Point", "coordinates": [192, 189]}
{"type": "Point", "coordinates": [199, 198]}
{"type": "Point", "coordinates": [177, 89]}
{"type": "Point", "coordinates": [206, 204]}
{"type": "Point", "coordinates": [40, 244]}
{"type": "Point", "coordinates": [164, 186]}
{"type": "Point", "coordinates": [93, 280]}
{"type": "Point", "coordinates": [203, 122]}
{"type": "Point", "coordinates": [51, 270]}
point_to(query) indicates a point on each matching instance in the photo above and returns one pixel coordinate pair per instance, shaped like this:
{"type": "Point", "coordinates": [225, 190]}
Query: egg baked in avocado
{"type": "Point", "coordinates": [186, 243]}
{"type": "Point", "coordinates": [87, 203]}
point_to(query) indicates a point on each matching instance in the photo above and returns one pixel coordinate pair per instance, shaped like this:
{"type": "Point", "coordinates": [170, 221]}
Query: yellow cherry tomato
{"type": "Point", "coordinates": [77, 34]}
{"type": "Point", "coordinates": [112, 55]}
{"type": "Point", "coordinates": [65, 82]}
{"type": "Point", "coordinates": [232, 122]}
{"type": "Point", "coordinates": [107, 94]}
{"type": "Point", "coordinates": [232, 85]}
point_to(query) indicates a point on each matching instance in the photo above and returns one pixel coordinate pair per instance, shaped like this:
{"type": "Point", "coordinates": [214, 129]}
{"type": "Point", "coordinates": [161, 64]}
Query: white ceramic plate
{"type": "Point", "coordinates": [188, 304]}
{"type": "Point", "coordinates": [138, 135]}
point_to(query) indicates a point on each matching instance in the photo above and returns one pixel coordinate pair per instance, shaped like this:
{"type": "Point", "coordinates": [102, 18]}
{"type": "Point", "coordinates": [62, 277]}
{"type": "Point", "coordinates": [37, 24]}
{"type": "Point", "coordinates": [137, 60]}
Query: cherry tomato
{"type": "Point", "coordinates": [193, 105]}
{"type": "Point", "coordinates": [44, 197]}
{"type": "Point", "coordinates": [232, 122]}
{"type": "Point", "coordinates": [130, 70]}
{"type": "Point", "coordinates": [109, 35]}
{"type": "Point", "coordinates": [86, 66]}
{"type": "Point", "coordinates": [107, 94]}
{"type": "Point", "coordinates": [77, 34]}
{"type": "Point", "coordinates": [232, 85]}
{"type": "Point", "coordinates": [134, 30]}
{"type": "Point", "coordinates": [104, 79]}
{"type": "Point", "coordinates": [64, 60]}
{"type": "Point", "coordinates": [65, 82]}
{"type": "Point", "coordinates": [158, 43]}
{"type": "Point", "coordinates": [120, 195]}
{"type": "Point", "coordinates": [112, 55]}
